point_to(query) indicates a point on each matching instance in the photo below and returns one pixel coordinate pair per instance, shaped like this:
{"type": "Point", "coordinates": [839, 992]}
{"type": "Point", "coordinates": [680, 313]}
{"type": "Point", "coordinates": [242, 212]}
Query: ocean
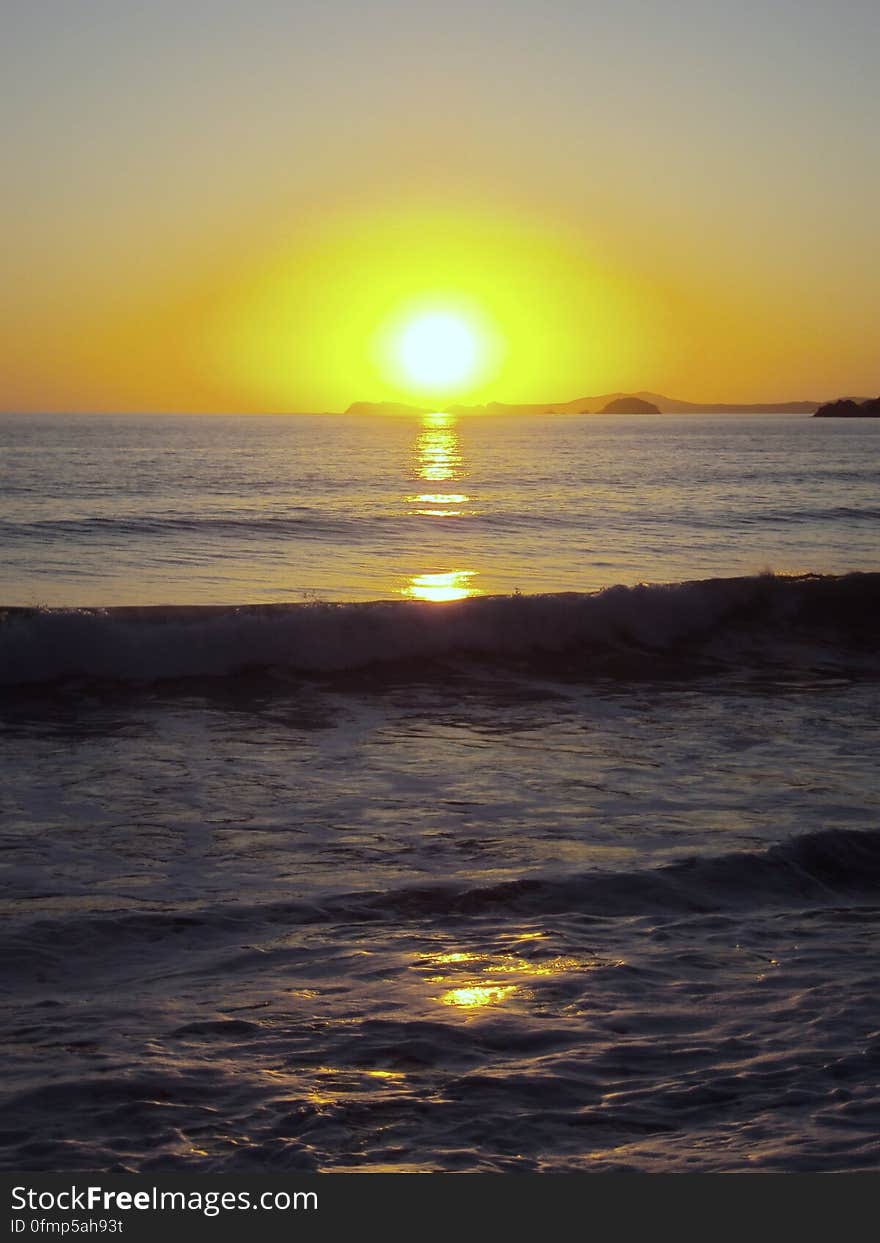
{"type": "Point", "coordinates": [435, 794]}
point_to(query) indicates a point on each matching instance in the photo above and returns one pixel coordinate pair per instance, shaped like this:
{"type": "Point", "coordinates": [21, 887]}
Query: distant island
{"type": "Point", "coordinates": [850, 408]}
{"type": "Point", "coordinates": [657, 403]}
{"type": "Point", "coordinates": [630, 405]}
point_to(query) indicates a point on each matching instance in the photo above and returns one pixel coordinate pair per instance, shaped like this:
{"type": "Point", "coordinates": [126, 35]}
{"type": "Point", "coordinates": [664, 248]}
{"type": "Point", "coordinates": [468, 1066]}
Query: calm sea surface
{"type": "Point", "coordinates": [165, 510]}
{"type": "Point", "coordinates": [419, 868]}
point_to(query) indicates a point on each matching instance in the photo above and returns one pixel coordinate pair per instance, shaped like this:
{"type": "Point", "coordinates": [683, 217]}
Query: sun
{"type": "Point", "coordinates": [437, 351]}
{"type": "Point", "coordinates": [436, 346]}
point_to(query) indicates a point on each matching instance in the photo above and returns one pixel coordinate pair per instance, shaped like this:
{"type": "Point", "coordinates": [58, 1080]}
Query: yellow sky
{"type": "Point", "coordinates": [234, 215]}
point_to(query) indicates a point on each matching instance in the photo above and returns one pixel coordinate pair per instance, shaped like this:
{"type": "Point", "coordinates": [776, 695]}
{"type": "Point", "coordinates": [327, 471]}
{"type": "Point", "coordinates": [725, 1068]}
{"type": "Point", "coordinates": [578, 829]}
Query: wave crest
{"type": "Point", "coordinates": [759, 619]}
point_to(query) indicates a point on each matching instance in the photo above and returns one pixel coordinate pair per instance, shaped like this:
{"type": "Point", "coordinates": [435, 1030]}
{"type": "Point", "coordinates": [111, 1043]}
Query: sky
{"type": "Point", "coordinates": [219, 206]}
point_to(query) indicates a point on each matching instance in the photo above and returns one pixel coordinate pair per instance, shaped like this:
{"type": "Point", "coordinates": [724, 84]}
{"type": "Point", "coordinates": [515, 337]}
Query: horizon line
{"type": "Point", "coordinates": [431, 407]}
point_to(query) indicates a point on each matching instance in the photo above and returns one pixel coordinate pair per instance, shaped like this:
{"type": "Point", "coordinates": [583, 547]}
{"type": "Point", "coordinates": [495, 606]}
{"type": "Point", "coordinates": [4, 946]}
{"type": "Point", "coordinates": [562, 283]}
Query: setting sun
{"type": "Point", "coordinates": [438, 344]}
{"type": "Point", "coordinates": [438, 351]}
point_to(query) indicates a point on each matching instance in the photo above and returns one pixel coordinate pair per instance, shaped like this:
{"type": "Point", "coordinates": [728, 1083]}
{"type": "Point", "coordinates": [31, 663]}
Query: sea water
{"type": "Point", "coordinates": [107, 511]}
{"type": "Point", "coordinates": [435, 794]}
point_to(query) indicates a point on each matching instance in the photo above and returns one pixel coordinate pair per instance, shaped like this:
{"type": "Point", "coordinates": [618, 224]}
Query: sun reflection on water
{"type": "Point", "coordinates": [438, 459]}
{"type": "Point", "coordinates": [438, 449]}
{"type": "Point", "coordinates": [476, 996]}
{"type": "Point", "coordinates": [472, 979]}
{"type": "Point", "coordinates": [453, 585]}
{"type": "Point", "coordinates": [442, 504]}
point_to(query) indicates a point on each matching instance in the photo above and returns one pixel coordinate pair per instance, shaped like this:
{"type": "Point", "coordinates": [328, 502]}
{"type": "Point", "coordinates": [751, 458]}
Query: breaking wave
{"type": "Point", "coordinates": [812, 619]}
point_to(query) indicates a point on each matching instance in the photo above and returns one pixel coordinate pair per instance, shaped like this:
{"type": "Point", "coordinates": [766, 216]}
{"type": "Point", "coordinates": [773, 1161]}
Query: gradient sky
{"type": "Point", "coordinates": [217, 206]}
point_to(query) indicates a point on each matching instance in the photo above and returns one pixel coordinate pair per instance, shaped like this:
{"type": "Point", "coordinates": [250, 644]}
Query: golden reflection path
{"type": "Point", "coordinates": [453, 585]}
{"type": "Point", "coordinates": [438, 449]}
{"type": "Point", "coordinates": [474, 981]}
{"type": "Point", "coordinates": [438, 460]}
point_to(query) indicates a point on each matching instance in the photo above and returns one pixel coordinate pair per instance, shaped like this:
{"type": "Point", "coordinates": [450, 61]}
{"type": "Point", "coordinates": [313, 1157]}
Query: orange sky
{"type": "Point", "coordinates": [224, 209]}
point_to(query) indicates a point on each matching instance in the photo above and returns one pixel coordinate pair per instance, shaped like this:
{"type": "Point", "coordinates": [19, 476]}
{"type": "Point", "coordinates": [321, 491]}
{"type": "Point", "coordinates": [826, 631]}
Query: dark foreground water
{"type": "Point", "coordinates": [602, 896]}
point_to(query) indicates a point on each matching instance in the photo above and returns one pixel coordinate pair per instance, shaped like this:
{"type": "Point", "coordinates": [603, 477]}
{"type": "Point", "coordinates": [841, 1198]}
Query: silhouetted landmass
{"type": "Point", "coordinates": [595, 405]}
{"type": "Point", "coordinates": [384, 407]}
{"type": "Point", "coordinates": [850, 408]}
{"type": "Point", "coordinates": [675, 405]}
{"type": "Point", "coordinates": [630, 405]}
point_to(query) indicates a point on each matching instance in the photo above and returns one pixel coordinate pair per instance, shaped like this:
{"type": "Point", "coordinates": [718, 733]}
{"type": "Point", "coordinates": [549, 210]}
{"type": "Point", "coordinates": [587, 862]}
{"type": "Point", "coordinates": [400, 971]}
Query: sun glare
{"type": "Point", "coordinates": [437, 347]}
{"type": "Point", "coordinates": [438, 351]}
